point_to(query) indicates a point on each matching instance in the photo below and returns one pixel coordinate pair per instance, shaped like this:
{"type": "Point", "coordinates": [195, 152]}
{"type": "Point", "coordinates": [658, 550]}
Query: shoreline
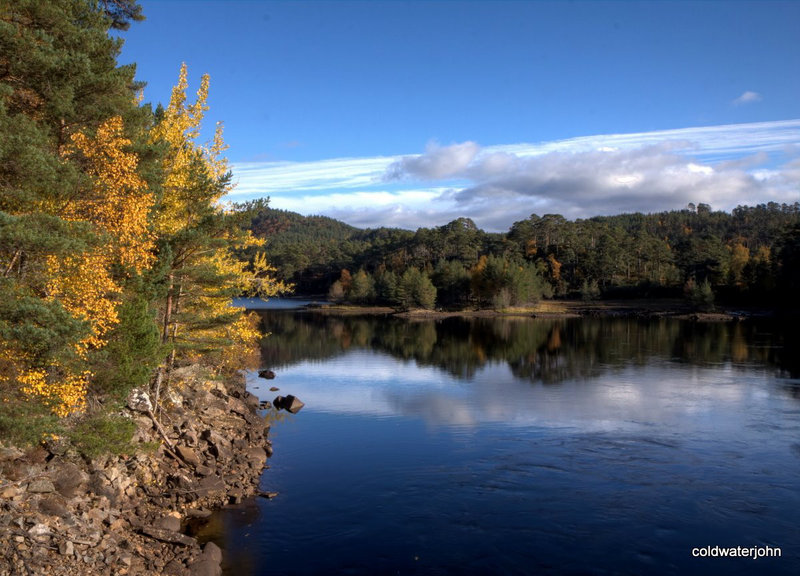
{"type": "Point", "coordinates": [136, 514]}
{"type": "Point", "coordinates": [560, 309]}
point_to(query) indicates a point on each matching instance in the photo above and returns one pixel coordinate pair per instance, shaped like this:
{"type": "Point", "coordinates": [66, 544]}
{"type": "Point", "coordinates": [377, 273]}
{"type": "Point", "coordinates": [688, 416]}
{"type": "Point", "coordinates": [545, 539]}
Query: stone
{"type": "Point", "coordinates": [289, 403]}
{"type": "Point", "coordinates": [206, 568]}
{"type": "Point", "coordinates": [9, 492]}
{"type": "Point", "coordinates": [188, 455]}
{"type": "Point", "coordinates": [273, 388]}
{"type": "Point", "coordinates": [210, 486]}
{"type": "Point", "coordinates": [169, 522]}
{"type": "Point", "coordinates": [256, 456]}
{"type": "Point", "coordinates": [53, 506]}
{"type": "Point", "coordinates": [69, 480]}
{"type": "Point", "coordinates": [168, 536]}
{"type": "Point", "coordinates": [267, 374]}
{"type": "Point", "coordinates": [220, 451]}
{"type": "Point", "coordinates": [9, 454]}
{"type": "Point", "coordinates": [39, 532]}
{"type": "Point", "coordinates": [66, 548]}
{"type": "Point", "coordinates": [139, 401]}
{"type": "Point", "coordinates": [198, 513]}
{"type": "Point", "coordinates": [41, 486]}
{"type": "Point", "coordinates": [212, 552]}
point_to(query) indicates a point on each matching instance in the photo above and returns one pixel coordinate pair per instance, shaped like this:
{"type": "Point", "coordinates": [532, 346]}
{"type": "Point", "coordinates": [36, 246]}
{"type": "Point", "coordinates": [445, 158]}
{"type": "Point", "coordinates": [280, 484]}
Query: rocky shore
{"type": "Point", "coordinates": [61, 514]}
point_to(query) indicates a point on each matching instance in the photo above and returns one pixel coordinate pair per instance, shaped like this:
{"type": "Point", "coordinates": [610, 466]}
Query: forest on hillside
{"type": "Point", "coordinates": [750, 256]}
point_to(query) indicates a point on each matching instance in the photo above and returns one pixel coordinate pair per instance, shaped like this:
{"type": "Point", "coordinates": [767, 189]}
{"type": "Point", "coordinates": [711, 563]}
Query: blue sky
{"type": "Point", "coordinates": [415, 113]}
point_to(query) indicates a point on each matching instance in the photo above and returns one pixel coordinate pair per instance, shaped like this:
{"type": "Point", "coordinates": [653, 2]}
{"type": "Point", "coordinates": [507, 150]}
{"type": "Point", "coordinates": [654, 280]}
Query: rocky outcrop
{"type": "Point", "coordinates": [128, 514]}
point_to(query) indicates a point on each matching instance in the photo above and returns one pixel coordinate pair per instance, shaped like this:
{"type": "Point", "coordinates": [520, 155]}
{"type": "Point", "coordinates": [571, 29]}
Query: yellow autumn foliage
{"type": "Point", "coordinates": [119, 203]}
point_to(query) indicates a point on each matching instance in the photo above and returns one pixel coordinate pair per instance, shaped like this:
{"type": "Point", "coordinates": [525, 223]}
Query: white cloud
{"type": "Point", "coordinates": [747, 97]}
{"type": "Point", "coordinates": [438, 162]}
{"type": "Point", "coordinates": [723, 166]}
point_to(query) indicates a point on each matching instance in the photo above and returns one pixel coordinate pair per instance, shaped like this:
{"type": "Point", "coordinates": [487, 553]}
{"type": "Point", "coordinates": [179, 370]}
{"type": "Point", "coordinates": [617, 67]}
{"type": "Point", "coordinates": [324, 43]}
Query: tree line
{"type": "Point", "coordinates": [117, 257]}
{"type": "Point", "coordinates": [748, 256]}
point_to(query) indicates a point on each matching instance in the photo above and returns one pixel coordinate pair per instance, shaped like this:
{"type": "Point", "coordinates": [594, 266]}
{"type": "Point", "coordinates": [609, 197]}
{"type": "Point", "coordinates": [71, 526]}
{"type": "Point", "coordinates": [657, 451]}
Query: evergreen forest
{"type": "Point", "coordinates": [748, 257]}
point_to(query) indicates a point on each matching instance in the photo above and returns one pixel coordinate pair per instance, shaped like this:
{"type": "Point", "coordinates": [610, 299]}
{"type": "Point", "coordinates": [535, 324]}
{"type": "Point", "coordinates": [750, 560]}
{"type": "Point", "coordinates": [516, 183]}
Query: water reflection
{"type": "Point", "coordinates": [546, 351]}
{"type": "Point", "coordinates": [681, 397]}
{"type": "Point", "coordinates": [521, 446]}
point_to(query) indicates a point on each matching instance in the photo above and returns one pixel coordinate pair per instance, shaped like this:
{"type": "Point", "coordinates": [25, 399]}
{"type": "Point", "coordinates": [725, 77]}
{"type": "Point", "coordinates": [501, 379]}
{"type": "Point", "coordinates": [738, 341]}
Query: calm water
{"type": "Point", "coordinates": [524, 447]}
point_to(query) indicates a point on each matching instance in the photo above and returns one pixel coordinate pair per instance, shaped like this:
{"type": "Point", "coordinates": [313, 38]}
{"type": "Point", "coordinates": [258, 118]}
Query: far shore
{"type": "Point", "coordinates": [642, 308]}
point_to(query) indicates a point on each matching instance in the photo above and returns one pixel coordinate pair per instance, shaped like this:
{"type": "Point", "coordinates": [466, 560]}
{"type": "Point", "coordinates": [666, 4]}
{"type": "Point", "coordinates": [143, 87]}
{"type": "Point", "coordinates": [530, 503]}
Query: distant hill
{"type": "Point", "coordinates": [748, 256]}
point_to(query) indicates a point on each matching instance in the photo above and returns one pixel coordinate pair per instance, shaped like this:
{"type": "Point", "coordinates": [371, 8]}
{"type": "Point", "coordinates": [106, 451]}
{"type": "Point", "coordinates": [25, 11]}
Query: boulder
{"type": "Point", "coordinates": [169, 522]}
{"type": "Point", "coordinates": [168, 536]}
{"type": "Point", "coordinates": [41, 486]}
{"type": "Point", "coordinates": [69, 479]}
{"type": "Point", "coordinates": [268, 374]}
{"type": "Point", "coordinates": [289, 403]}
{"type": "Point", "coordinates": [188, 455]}
{"type": "Point", "coordinates": [139, 401]}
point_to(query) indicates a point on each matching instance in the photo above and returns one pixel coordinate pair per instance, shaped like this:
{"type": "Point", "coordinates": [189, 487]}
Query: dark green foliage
{"type": "Point", "coordinates": [628, 255]}
{"type": "Point", "coordinates": [24, 421]}
{"type": "Point", "coordinates": [121, 12]}
{"type": "Point", "coordinates": [415, 290]}
{"type": "Point", "coordinates": [103, 434]}
{"type": "Point", "coordinates": [133, 352]}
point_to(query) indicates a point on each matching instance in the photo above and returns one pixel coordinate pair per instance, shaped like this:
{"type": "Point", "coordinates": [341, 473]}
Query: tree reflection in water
{"type": "Point", "coordinates": [547, 351]}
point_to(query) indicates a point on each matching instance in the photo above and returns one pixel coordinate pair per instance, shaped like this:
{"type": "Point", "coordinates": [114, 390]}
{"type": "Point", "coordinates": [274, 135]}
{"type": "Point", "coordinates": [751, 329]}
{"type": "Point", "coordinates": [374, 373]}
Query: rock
{"type": "Point", "coordinates": [139, 401]}
{"type": "Point", "coordinates": [289, 403]}
{"type": "Point", "coordinates": [256, 456]}
{"type": "Point", "coordinates": [53, 506]}
{"type": "Point", "coordinates": [69, 479]}
{"type": "Point", "coordinates": [168, 536]}
{"type": "Point", "coordinates": [212, 552]}
{"type": "Point", "coordinates": [56, 445]}
{"type": "Point", "coordinates": [198, 513]}
{"type": "Point", "coordinates": [169, 522]}
{"type": "Point", "coordinates": [220, 451]}
{"type": "Point", "coordinates": [188, 455]}
{"type": "Point", "coordinates": [267, 374]}
{"type": "Point", "coordinates": [66, 548]}
{"type": "Point", "coordinates": [41, 486]}
{"type": "Point", "coordinates": [209, 562]}
{"type": "Point", "coordinates": [9, 492]}
{"type": "Point", "coordinates": [273, 388]}
{"type": "Point", "coordinates": [9, 454]}
{"type": "Point", "coordinates": [211, 486]}
{"type": "Point", "coordinates": [251, 400]}
{"type": "Point", "coordinates": [39, 532]}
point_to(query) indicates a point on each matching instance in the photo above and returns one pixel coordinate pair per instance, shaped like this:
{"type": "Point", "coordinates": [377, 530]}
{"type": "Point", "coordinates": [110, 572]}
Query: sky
{"type": "Point", "coordinates": [413, 114]}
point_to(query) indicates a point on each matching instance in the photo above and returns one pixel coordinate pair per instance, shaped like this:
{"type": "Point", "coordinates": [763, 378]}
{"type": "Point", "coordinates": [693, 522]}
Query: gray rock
{"type": "Point", "coordinates": [168, 536]}
{"type": "Point", "coordinates": [41, 486]}
{"type": "Point", "coordinates": [211, 486]}
{"type": "Point", "coordinates": [66, 548]}
{"type": "Point", "coordinates": [69, 480]}
{"type": "Point", "coordinates": [8, 454]}
{"type": "Point", "coordinates": [171, 523]}
{"type": "Point", "coordinates": [212, 552]}
{"type": "Point", "coordinates": [139, 401]}
{"type": "Point", "coordinates": [39, 532]}
{"type": "Point", "coordinates": [267, 374]}
{"type": "Point", "coordinates": [206, 568]}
